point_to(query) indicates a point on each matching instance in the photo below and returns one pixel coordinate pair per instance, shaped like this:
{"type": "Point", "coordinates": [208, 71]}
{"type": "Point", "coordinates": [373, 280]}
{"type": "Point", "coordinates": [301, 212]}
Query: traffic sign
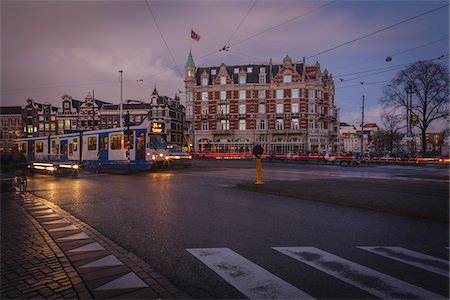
{"type": "Point", "coordinates": [258, 150]}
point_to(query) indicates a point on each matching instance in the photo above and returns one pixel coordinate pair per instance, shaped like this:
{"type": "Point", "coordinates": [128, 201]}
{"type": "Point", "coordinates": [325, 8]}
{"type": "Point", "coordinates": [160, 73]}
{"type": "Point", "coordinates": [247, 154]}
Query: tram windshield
{"type": "Point", "coordinates": [157, 141]}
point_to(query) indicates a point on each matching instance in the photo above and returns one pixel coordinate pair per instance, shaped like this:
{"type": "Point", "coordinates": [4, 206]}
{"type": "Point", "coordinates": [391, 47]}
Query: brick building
{"type": "Point", "coordinates": [284, 107]}
{"type": "Point", "coordinates": [11, 122]}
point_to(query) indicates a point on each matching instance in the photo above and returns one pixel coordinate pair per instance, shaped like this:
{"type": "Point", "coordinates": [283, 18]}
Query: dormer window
{"type": "Point", "coordinates": [249, 69]}
{"type": "Point", "coordinates": [242, 79]}
{"type": "Point", "coordinates": [236, 70]}
{"type": "Point", "coordinates": [213, 72]}
{"type": "Point", "coordinates": [287, 78]}
{"type": "Point", "coordinates": [262, 70]}
{"type": "Point", "coordinates": [205, 81]}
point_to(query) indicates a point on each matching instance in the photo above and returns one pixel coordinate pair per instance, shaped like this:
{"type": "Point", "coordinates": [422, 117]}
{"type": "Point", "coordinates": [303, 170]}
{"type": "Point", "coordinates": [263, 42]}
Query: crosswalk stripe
{"type": "Point", "coordinates": [247, 277]}
{"type": "Point", "coordinates": [371, 281]}
{"type": "Point", "coordinates": [69, 227]}
{"type": "Point", "coordinates": [90, 247]}
{"type": "Point", "coordinates": [419, 260]}
{"type": "Point", "coordinates": [107, 261]}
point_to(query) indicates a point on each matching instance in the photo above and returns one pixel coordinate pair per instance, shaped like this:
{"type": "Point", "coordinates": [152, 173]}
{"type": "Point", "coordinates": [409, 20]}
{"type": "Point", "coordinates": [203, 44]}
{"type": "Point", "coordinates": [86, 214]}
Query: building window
{"type": "Point", "coordinates": [242, 79]}
{"type": "Point", "coordinates": [67, 123]}
{"type": "Point", "coordinates": [205, 96]}
{"type": "Point", "coordinates": [262, 94]}
{"type": "Point", "coordinates": [262, 79]}
{"type": "Point", "coordinates": [223, 80]}
{"type": "Point", "coordinates": [213, 72]}
{"type": "Point", "coordinates": [249, 69]}
{"type": "Point", "coordinates": [279, 94]}
{"type": "Point", "coordinates": [311, 94]}
{"type": "Point", "coordinates": [241, 95]}
{"type": "Point", "coordinates": [287, 78]}
{"type": "Point", "coordinates": [241, 109]}
{"type": "Point", "coordinates": [41, 118]}
{"type": "Point", "coordinates": [279, 124]}
{"type": "Point", "coordinates": [262, 70]}
{"type": "Point", "coordinates": [224, 125]}
{"type": "Point", "coordinates": [279, 108]}
{"type": "Point", "coordinates": [41, 126]}
{"type": "Point", "coordinates": [236, 70]}
{"type": "Point", "coordinates": [75, 144]}
{"type": "Point", "coordinates": [223, 95]}
{"type": "Point", "coordinates": [311, 123]}
{"type": "Point", "coordinates": [262, 108]}
{"type": "Point", "coordinates": [241, 124]}
{"type": "Point", "coordinates": [294, 108]}
{"type": "Point", "coordinates": [205, 81]}
{"type": "Point", "coordinates": [52, 126]}
{"type": "Point", "coordinates": [204, 125]}
{"type": "Point", "coordinates": [294, 124]}
{"type": "Point", "coordinates": [39, 147]}
{"type": "Point", "coordinates": [294, 93]}
{"type": "Point", "coordinates": [262, 124]}
{"type": "Point", "coordinates": [319, 94]}
{"type": "Point", "coordinates": [223, 109]}
{"type": "Point", "coordinates": [311, 108]}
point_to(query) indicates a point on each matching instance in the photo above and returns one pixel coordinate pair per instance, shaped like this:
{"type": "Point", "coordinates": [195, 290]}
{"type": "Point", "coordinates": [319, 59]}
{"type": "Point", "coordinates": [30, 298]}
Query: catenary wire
{"type": "Point", "coordinates": [240, 24]}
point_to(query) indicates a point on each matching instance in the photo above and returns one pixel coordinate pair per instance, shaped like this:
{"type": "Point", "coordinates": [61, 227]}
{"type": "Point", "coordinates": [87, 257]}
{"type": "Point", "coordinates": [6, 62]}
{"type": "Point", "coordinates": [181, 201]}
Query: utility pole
{"type": "Point", "coordinates": [121, 100]}
{"type": "Point", "coordinates": [362, 126]}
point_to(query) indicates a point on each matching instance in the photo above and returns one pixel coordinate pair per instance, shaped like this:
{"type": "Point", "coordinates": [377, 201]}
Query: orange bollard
{"type": "Point", "coordinates": [259, 179]}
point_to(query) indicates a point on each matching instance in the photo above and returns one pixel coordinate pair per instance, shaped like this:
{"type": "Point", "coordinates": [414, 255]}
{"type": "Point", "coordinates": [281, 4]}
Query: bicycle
{"type": "Point", "coordinates": [20, 182]}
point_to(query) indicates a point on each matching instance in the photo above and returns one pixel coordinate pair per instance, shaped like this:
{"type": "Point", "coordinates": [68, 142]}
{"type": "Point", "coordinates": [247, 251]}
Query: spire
{"type": "Point", "coordinates": [190, 61]}
{"type": "Point", "coordinates": [155, 91]}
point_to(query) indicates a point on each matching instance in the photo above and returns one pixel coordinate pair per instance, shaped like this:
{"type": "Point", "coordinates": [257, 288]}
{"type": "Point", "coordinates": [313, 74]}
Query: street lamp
{"type": "Point", "coordinates": [410, 90]}
{"type": "Point", "coordinates": [121, 99]}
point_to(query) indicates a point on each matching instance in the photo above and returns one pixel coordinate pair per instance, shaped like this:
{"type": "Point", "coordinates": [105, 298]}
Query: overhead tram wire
{"type": "Point", "coordinates": [377, 31]}
{"type": "Point", "coordinates": [226, 46]}
{"type": "Point", "coordinates": [283, 23]}
{"type": "Point", "coordinates": [162, 36]}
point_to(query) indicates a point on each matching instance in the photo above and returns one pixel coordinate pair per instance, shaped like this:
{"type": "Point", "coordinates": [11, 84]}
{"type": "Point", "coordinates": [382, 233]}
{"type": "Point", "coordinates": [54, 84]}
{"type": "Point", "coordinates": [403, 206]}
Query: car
{"type": "Point", "coordinates": [177, 157]}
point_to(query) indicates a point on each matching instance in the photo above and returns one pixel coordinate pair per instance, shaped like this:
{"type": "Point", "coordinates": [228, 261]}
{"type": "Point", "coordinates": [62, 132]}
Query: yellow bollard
{"type": "Point", "coordinates": [259, 179]}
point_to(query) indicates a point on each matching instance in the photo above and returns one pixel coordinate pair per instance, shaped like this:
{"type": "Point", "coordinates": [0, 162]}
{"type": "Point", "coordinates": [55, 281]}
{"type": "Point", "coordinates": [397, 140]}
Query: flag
{"type": "Point", "coordinates": [195, 36]}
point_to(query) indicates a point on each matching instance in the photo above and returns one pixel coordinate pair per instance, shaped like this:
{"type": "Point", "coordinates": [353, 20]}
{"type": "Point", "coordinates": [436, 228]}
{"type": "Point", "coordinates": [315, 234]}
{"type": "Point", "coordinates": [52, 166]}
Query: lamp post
{"type": "Point", "coordinates": [121, 100]}
{"type": "Point", "coordinates": [409, 92]}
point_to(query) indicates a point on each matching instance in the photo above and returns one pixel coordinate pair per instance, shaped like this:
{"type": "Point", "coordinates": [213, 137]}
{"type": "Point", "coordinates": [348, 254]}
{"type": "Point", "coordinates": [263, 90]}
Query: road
{"type": "Point", "coordinates": [215, 241]}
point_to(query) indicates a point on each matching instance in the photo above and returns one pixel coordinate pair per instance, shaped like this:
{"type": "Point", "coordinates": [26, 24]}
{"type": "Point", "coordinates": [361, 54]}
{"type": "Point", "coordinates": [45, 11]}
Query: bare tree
{"type": "Point", "coordinates": [388, 137]}
{"type": "Point", "coordinates": [429, 82]}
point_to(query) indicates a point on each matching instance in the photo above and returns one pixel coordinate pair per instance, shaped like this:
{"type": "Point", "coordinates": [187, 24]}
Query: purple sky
{"type": "Point", "coordinates": [51, 48]}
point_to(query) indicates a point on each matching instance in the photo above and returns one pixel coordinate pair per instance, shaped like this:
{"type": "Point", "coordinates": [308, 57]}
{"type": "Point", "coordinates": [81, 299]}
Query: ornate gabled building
{"type": "Point", "coordinates": [284, 107]}
{"type": "Point", "coordinates": [39, 119]}
{"type": "Point", "coordinates": [68, 116]}
{"type": "Point", "coordinates": [11, 122]}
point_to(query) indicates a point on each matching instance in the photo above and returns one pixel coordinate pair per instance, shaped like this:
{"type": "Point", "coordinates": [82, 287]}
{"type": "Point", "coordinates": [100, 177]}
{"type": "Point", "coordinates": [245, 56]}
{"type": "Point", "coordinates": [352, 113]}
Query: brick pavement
{"type": "Point", "coordinates": [48, 253]}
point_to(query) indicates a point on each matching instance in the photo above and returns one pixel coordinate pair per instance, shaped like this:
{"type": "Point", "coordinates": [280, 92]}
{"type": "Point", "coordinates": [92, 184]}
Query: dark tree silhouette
{"type": "Point", "coordinates": [429, 84]}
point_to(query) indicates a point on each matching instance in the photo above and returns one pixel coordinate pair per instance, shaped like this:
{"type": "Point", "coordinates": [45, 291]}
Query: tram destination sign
{"type": "Point", "coordinates": [157, 127]}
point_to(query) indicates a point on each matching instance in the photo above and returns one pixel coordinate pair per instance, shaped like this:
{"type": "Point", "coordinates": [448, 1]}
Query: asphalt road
{"type": "Point", "coordinates": [173, 218]}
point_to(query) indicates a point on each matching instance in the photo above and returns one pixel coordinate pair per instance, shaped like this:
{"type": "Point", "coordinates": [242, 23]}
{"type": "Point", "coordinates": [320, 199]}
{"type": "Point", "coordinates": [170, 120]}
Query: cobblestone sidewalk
{"type": "Point", "coordinates": [47, 253]}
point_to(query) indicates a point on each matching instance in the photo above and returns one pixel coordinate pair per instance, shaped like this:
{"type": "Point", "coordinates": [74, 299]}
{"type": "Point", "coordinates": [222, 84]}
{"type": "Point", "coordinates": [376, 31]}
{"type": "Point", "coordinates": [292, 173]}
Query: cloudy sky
{"type": "Point", "coordinates": [52, 48]}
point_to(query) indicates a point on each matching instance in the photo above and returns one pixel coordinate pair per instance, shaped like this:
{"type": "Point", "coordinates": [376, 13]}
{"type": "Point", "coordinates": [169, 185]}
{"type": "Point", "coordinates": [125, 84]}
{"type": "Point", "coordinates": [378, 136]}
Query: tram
{"type": "Point", "coordinates": [141, 147]}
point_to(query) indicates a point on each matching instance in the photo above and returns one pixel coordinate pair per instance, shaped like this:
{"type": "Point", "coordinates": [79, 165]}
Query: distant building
{"type": "Point", "coordinates": [350, 137]}
{"type": "Point", "coordinates": [39, 119]}
{"type": "Point", "coordinates": [11, 122]}
{"type": "Point", "coordinates": [284, 107]}
{"type": "Point", "coordinates": [68, 116]}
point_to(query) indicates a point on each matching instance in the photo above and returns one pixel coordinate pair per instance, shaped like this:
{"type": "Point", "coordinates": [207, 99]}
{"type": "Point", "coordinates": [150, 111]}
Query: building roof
{"type": "Point", "coordinates": [370, 125]}
{"type": "Point", "coordinates": [10, 110]}
{"type": "Point", "coordinates": [252, 77]}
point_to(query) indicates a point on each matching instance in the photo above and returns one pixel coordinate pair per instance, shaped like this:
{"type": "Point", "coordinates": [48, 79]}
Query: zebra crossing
{"type": "Point", "coordinates": [257, 283]}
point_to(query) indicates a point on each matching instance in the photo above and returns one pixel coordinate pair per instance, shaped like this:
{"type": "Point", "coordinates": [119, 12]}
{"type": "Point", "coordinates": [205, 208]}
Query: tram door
{"type": "Point", "coordinates": [31, 150]}
{"type": "Point", "coordinates": [140, 145]}
{"type": "Point", "coordinates": [64, 149]}
{"type": "Point", "coordinates": [103, 149]}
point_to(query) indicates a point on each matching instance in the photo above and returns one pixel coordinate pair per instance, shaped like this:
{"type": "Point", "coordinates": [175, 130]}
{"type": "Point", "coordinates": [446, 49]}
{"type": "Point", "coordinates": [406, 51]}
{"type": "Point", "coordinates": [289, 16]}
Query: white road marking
{"type": "Point", "coordinates": [127, 281]}
{"type": "Point", "coordinates": [77, 236]}
{"type": "Point", "coordinates": [42, 212]}
{"type": "Point", "coordinates": [60, 221]}
{"type": "Point", "coordinates": [107, 261]}
{"type": "Point", "coordinates": [371, 281]}
{"type": "Point", "coordinates": [64, 228]}
{"type": "Point", "coordinates": [90, 247]}
{"type": "Point", "coordinates": [247, 277]}
{"type": "Point", "coordinates": [419, 260]}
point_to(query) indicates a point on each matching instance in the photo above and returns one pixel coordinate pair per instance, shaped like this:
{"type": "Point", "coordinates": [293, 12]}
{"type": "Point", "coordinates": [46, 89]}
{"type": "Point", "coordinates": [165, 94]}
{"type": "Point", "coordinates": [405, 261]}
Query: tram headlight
{"type": "Point", "coordinates": [153, 157]}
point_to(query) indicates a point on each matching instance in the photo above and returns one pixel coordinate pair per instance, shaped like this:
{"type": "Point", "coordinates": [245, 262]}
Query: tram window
{"type": "Point", "coordinates": [116, 142]}
{"type": "Point", "coordinates": [92, 143]}
{"type": "Point", "coordinates": [39, 147]}
{"type": "Point", "coordinates": [75, 144]}
{"type": "Point", "coordinates": [104, 143]}
{"type": "Point", "coordinates": [157, 141]}
{"type": "Point", "coordinates": [53, 146]}
{"type": "Point", "coordinates": [23, 148]}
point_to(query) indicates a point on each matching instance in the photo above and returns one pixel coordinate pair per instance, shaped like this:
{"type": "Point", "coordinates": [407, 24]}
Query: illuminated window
{"type": "Point", "coordinates": [223, 80]}
{"type": "Point", "coordinates": [116, 142]}
{"type": "Point", "coordinates": [294, 93]}
{"type": "Point", "coordinates": [294, 108]}
{"type": "Point", "coordinates": [92, 143]}
{"type": "Point", "coordinates": [129, 138]}
{"type": "Point", "coordinates": [39, 147]}
{"type": "Point", "coordinates": [287, 78]}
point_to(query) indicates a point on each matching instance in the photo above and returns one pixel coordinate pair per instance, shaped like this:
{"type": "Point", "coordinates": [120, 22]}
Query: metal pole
{"type": "Point", "coordinates": [362, 126]}
{"type": "Point", "coordinates": [121, 101]}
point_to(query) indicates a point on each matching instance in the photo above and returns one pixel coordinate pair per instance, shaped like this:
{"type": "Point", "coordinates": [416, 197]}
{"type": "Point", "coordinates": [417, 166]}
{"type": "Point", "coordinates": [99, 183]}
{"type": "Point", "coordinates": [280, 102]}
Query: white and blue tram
{"type": "Point", "coordinates": [143, 147]}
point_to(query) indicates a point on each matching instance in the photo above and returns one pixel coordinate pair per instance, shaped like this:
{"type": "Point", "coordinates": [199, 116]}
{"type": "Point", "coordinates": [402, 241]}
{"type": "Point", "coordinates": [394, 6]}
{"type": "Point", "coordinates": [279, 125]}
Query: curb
{"type": "Point", "coordinates": [101, 280]}
{"type": "Point", "coordinates": [337, 201]}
